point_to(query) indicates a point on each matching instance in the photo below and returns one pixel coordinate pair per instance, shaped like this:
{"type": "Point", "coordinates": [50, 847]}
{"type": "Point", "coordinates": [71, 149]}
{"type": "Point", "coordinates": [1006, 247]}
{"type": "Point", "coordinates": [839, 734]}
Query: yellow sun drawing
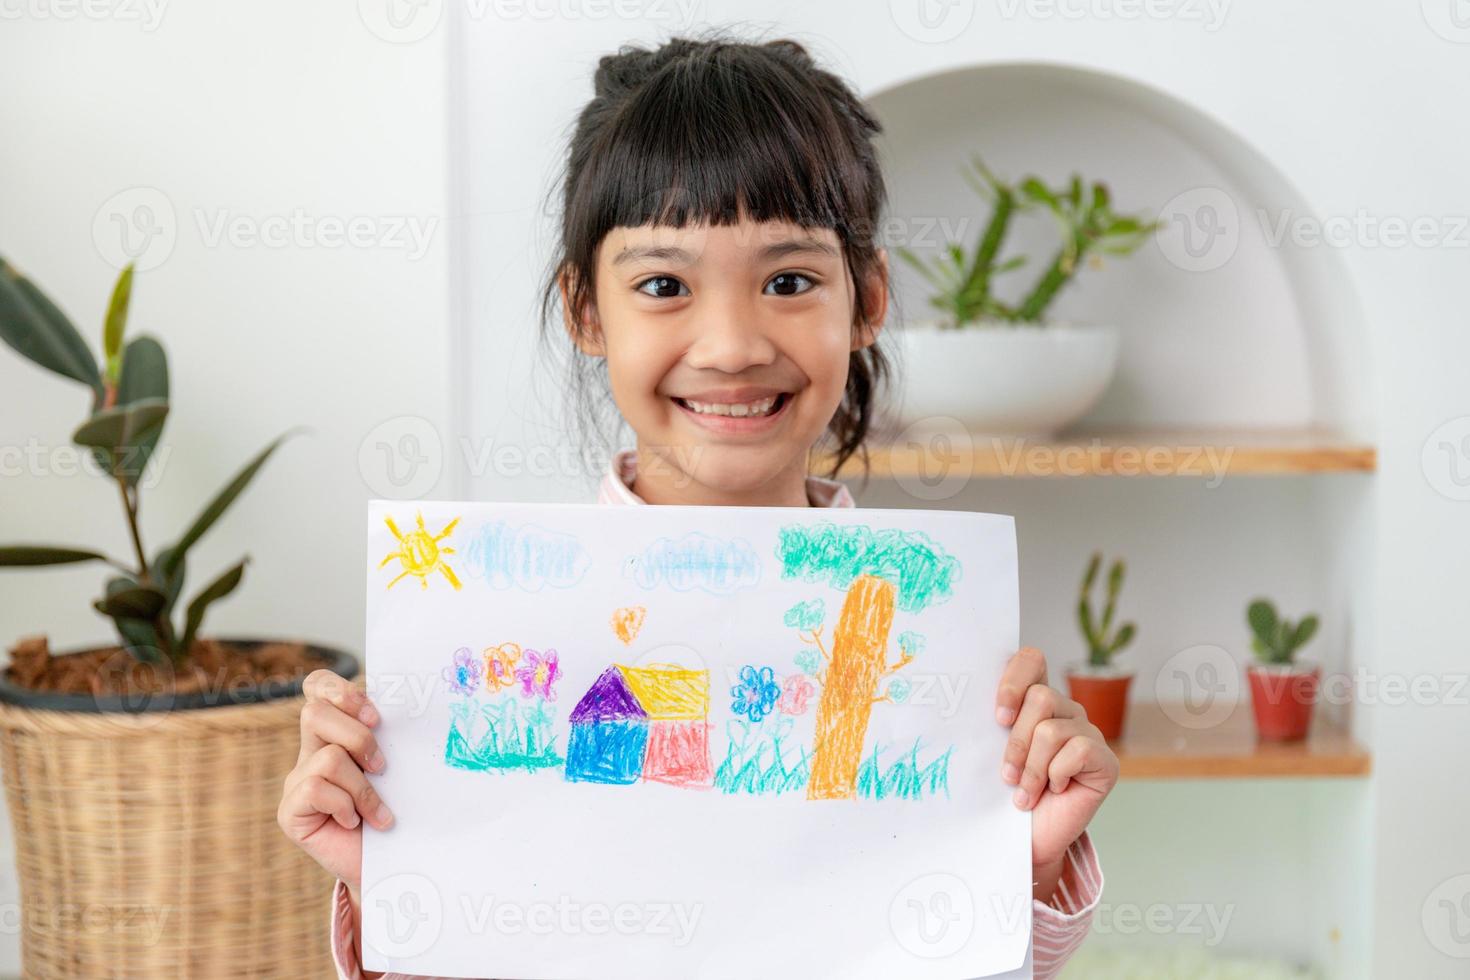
{"type": "Point", "coordinates": [421, 554]}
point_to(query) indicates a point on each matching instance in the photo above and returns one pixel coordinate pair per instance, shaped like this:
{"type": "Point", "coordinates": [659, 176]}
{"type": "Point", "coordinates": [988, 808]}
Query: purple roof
{"type": "Point", "coordinates": [608, 698]}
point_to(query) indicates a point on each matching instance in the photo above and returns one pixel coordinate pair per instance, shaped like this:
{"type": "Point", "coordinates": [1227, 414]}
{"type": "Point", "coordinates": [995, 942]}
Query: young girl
{"type": "Point", "coordinates": [718, 262]}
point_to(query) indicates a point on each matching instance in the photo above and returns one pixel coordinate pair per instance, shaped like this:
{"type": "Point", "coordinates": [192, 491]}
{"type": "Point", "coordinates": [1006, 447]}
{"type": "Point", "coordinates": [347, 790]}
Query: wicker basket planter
{"type": "Point", "coordinates": [146, 837]}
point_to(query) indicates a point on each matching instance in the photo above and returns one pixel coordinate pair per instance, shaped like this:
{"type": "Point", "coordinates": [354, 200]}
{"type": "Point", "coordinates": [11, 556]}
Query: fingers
{"type": "Point", "coordinates": [1080, 758]}
{"type": "Point", "coordinates": [1025, 668]}
{"type": "Point", "coordinates": [338, 691]}
{"type": "Point", "coordinates": [1040, 704]}
{"type": "Point", "coordinates": [1048, 739]}
{"type": "Point", "coordinates": [333, 764]}
{"type": "Point", "coordinates": [312, 795]}
{"type": "Point", "coordinates": [323, 723]}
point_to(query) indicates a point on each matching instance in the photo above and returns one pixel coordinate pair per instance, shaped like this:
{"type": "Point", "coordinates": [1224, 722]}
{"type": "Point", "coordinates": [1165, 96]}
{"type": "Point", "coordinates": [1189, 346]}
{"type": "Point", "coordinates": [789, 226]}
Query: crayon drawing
{"type": "Point", "coordinates": [699, 561]}
{"type": "Point", "coordinates": [649, 723]}
{"type": "Point", "coordinates": [879, 571]}
{"type": "Point", "coordinates": [511, 728]}
{"type": "Point", "coordinates": [905, 778]}
{"type": "Point", "coordinates": [420, 553]}
{"type": "Point", "coordinates": [526, 557]}
{"type": "Point", "coordinates": [691, 712]}
{"type": "Point", "coordinates": [627, 622]}
{"type": "Point", "coordinates": [761, 758]}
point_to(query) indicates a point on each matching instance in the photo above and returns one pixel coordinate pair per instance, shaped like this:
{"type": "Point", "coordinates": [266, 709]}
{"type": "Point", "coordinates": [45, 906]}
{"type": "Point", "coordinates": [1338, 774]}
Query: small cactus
{"type": "Point", "coordinates": [1100, 647]}
{"type": "Point", "coordinates": [1277, 640]}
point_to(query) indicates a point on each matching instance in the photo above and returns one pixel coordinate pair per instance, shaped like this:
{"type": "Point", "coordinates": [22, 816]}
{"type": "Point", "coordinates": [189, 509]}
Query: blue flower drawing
{"type": "Point", "coordinates": [756, 693]}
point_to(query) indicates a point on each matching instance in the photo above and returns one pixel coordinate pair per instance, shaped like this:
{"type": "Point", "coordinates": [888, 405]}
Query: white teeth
{"type": "Point", "coordinates": [733, 409]}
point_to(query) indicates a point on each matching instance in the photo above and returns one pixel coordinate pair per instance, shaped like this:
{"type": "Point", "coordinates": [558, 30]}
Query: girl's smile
{"type": "Point", "coordinates": [736, 412]}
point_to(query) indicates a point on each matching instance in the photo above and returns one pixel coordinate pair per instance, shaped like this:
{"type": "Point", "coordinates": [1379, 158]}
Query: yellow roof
{"type": "Point", "coordinates": [668, 692]}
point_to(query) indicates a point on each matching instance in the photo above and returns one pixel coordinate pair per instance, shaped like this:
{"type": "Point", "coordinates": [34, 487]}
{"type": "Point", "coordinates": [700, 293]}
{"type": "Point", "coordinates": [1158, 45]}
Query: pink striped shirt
{"type": "Point", "coordinates": [1057, 927]}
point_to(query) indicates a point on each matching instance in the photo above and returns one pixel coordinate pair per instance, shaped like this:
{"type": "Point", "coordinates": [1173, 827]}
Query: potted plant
{"type": "Point", "coordinates": [1098, 686]}
{"type": "Point", "coordinates": [1002, 367]}
{"type": "Point", "coordinates": [143, 776]}
{"type": "Point", "coordinates": [1282, 690]}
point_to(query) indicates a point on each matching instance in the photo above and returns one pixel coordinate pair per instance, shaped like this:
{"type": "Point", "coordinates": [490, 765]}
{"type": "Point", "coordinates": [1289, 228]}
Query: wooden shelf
{"type": "Point", "coordinates": [1155, 747]}
{"type": "Point", "coordinates": [1202, 455]}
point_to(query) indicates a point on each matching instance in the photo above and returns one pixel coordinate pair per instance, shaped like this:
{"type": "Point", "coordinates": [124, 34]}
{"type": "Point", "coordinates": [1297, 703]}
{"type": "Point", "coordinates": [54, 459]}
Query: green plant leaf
{"type": "Point", "coordinates": [27, 555]}
{"type": "Point", "coordinates": [987, 184]}
{"type": "Point", "coordinates": [144, 371]}
{"type": "Point", "coordinates": [41, 333]}
{"type": "Point", "coordinates": [1261, 615]}
{"type": "Point", "coordinates": [127, 599]}
{"type": "Point", "coordinates": [218, 506]}
{"type": "Point", "coordinates": [140, 638]}
{"type": "Point", "coordinates": [116, 324]}
{"type": "Point", "coordinates": [144, 377]}
{"type": "Point", "coordinates": [1305, 630]}
{"type": "Point", "coordinates": [1084, 620]}
{"type": "Point", "coordinates": [215, 590]}
{"type": "Point", "coordinates": [934, 277]}
{"type": "Point", "coordinates": [173, 583]}
{"type": "Point", "coordinates": [1090, 576]}
{"type": "Point", "coordinates": [1115, 585]}
{"type": "Point", "coordinates": [1124, 637]}
{"type": "Point", "coordinates": [1035, 190]}
{"type": "Point", "coordinates": [118, 433]}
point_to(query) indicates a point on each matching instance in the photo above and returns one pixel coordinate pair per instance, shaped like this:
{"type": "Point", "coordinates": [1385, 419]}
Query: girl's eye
{"type": "Point", "coordinates": [786, 284]}
{"type": "Point", "coordinates": [662, 286]}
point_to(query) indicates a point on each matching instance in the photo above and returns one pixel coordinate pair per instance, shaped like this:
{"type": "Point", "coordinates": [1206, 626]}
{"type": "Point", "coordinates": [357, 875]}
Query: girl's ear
{"type": "Point", "coordinates": [581, 324]}
{"type": "Point", "coordinates": [875, 301]}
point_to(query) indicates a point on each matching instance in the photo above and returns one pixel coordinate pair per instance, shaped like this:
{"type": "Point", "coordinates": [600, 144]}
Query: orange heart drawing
{"type": "Point", "coordinates": [626, 622]}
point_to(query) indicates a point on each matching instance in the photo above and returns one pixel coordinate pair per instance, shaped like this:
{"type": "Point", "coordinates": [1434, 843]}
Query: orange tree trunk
{"type": "Point", "coordinates": [858, 656]}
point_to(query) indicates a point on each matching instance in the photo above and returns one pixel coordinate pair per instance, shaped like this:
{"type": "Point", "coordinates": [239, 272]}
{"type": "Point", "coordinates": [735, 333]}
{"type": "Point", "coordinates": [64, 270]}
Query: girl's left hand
{"type": "Point", "coordinates": [1058, 761]}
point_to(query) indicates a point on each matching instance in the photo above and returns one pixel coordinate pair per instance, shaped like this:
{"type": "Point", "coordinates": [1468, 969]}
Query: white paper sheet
{"type": "Point", "coordinates": [692, 742]}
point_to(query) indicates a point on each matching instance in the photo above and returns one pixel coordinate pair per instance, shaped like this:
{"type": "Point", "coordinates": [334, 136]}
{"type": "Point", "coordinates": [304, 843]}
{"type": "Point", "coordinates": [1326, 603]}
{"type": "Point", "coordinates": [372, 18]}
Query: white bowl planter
{"type": "Point", "coordinates": [1003, 378]}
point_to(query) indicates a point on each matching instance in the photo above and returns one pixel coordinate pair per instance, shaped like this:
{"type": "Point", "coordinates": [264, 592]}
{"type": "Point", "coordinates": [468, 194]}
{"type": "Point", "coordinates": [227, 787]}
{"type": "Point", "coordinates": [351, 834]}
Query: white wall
{"type": "Point", "coordinates": [265, 108]}
{"type": "Point", "coordinates": [247, 112]}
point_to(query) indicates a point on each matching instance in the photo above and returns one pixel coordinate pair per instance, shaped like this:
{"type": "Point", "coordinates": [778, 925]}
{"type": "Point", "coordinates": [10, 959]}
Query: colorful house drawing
{"type": "Point", "coordinates": [642, 722]}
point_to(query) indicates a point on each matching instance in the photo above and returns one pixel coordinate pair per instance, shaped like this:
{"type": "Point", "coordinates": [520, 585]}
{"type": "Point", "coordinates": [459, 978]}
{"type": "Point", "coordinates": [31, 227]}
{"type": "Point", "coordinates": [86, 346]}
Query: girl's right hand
{"type": "Point", "coordinates": [327, 795]}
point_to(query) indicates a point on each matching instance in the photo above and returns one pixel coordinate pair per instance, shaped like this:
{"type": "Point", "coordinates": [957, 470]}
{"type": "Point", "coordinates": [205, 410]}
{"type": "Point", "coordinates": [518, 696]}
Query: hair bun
{"type": "Point", "coordinates": [632, 65]}
{"type": "Point", "coordinates": [787, 46]}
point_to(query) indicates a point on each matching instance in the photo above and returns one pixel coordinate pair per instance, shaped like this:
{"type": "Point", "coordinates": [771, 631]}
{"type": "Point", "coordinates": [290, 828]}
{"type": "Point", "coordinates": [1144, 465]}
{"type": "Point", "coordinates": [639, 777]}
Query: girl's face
{"type": "Point", "coordinates": [727, 350]}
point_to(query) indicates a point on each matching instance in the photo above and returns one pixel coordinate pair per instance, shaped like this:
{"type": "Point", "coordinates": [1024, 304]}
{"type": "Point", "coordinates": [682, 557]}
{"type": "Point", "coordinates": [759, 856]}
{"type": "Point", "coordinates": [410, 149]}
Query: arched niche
{"type": "Point", "coordinates": [1261, 330]}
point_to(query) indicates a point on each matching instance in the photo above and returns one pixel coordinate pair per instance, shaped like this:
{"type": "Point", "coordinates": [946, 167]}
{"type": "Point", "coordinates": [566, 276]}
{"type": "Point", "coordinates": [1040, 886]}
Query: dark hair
{"type": "Point", "coordinates": [699, 131]}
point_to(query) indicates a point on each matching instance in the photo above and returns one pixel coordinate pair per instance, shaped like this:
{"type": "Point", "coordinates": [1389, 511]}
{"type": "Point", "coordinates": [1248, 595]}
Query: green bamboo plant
{"type": "Point", "coordinates": [1101, 646]}
{"type": "Point", "coordinates": [129, 403]}
{"type": "Point", "coordinates": [1276, 638]}
{"type": "Point", "coordinates": [964, 282]}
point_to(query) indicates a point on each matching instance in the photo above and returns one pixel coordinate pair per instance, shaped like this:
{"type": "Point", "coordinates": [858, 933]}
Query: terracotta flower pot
{"type": "Point", "coordinates": [1103, 694]}
{"type": "Point", "coordinates": [1282, 698]}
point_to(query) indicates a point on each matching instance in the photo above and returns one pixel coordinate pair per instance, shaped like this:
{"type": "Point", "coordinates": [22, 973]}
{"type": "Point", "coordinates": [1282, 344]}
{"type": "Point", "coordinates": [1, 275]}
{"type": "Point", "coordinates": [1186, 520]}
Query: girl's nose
{"type": "Point", "coordinates": [730, 339]}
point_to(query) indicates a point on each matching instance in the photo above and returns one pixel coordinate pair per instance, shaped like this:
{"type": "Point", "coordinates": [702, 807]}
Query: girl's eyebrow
{"type": "Point", "coordinates": [775, 250]}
